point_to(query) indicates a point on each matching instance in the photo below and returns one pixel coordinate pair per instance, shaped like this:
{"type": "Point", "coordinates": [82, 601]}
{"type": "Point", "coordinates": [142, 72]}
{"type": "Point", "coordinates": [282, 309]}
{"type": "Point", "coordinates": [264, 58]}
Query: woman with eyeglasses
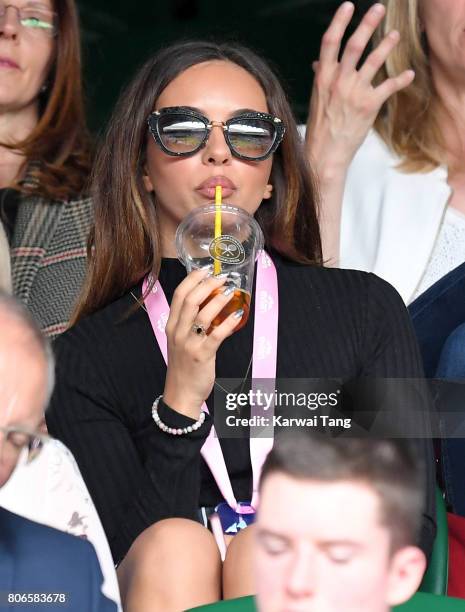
{"type": "Point", "coordinates": [44, 156]}
{"type": "Point", "coordinates": [44, 164]}
{"type": "Point", "coordinates": [196, 116]}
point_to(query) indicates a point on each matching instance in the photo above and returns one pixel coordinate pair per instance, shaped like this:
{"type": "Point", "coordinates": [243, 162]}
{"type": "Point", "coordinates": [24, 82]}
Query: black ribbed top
{"type": "Point", "coordinates": [332, 324]}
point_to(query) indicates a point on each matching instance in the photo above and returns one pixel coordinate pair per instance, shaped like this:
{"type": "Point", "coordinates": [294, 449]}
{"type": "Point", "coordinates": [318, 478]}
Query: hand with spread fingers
{"type": "Point", "coordinates": [191, 351]}
{"type": "Point", "coordinates": [344, 102]}
{"type": "Point", "coordinates": [343, 107]}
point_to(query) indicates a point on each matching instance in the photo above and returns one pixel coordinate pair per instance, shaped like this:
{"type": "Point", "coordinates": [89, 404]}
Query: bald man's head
{"type": "Point", "coordinates": [17, 326]}
{"type": "Point", "coordinates": [26, 373]}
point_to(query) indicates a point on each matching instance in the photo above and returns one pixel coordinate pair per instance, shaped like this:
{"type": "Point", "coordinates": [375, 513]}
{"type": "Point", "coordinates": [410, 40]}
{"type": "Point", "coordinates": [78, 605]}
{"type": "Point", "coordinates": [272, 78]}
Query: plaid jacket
{"type": "Point", "coordinates": [48, 258]}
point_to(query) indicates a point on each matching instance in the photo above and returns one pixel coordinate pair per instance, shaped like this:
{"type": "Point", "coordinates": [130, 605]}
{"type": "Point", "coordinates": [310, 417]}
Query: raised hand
{"type": "Point", "coordinates": [191, 357]}
{"type": "Point", "coordinates": [343, 108]}
{"type": "Point", "coordinates": [344, 102]}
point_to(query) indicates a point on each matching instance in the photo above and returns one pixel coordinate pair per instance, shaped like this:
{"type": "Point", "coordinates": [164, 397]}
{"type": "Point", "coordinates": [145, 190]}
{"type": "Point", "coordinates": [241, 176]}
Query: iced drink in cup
{"type": "Point", "coordinates": [233, 252]}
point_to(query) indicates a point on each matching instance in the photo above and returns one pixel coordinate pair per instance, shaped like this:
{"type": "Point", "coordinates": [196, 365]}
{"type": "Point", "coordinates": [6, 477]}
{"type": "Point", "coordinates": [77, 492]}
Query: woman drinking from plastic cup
{"type": "Point", "coordinates": [200, 115]}
{"type": "Point", "coordinates": [229, 240]}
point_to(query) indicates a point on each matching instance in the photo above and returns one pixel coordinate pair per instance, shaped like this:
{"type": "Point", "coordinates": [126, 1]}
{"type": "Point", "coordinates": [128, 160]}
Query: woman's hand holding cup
{"type": "Point", "coordinates": [191, 352]}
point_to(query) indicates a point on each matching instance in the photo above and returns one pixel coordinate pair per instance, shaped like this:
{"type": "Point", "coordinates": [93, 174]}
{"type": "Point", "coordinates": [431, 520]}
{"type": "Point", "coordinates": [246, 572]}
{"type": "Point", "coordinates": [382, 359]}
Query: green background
{"type": "Point", "coordinates": [118, 36]}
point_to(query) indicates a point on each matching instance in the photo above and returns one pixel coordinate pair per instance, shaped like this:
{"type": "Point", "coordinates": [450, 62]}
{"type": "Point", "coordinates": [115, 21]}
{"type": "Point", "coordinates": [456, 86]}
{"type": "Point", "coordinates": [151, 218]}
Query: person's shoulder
{"type": "Point", "coordinates": [84, 200]}
{"type": "Point", "coordinates": [45, 559]}
{"type": "Point", "coordinates": [335, 283]}
{"type": "Point", "coordinates": [70, 220]}
{"type": "Point", "coordinates": [372, 161]}
{"type": "Point", "coordinates": [320, 274]}
{"type": "Point", "coordinates": [375, 146]}
{"type": "Point", "coordinates": [78, 200]}
{"type": "Point", "coordinates": [100, 327]}
{"type": "Point", "coordinates": [80, 206]}
{"type": "Point", "coordinates": [26, 536]}
{"type": "Point", "coordinates": [58, 549]}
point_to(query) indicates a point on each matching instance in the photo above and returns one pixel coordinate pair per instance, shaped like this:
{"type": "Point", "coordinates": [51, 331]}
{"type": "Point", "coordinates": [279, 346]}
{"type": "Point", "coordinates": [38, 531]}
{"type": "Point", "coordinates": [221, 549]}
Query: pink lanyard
{"type": "Point", "coordinates": [265, 342]}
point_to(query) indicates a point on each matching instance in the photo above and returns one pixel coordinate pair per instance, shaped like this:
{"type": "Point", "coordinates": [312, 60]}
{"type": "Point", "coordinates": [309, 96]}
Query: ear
{"type": "Point", "coordinates": [147, 182]}
{"type": "Point", "coordinates": [267, 192]}
{"type": "Point", "coordinates": [407, 567]}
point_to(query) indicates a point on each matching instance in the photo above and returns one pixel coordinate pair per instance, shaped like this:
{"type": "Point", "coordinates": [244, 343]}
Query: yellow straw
{"type": "Point", "coordinates": [218, 198]}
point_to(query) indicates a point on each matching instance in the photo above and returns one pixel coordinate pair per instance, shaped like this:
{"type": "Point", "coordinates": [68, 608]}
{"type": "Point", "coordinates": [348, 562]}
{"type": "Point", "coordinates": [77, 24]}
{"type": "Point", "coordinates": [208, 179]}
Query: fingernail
{"type": "Point", "coordinates": [378, 8]}
{"type": "Point", "coordinates": [238, 314]}
{"type": "Point", "coordinates": [222, 275]}
{"type": "Point", "coordinates": [208, 270]}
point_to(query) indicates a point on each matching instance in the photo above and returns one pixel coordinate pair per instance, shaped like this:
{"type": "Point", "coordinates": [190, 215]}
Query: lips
{"type": "Point", "coordinates": [6, 62]}
{"type": "Point", "coordinates": [207, 187]}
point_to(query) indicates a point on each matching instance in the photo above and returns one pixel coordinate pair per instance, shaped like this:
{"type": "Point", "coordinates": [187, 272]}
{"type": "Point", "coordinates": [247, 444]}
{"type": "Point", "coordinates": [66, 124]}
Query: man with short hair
{"type": "Point", "coordinates": [337, 526]}
{"type": "Point", "coordinates": [40, 566]}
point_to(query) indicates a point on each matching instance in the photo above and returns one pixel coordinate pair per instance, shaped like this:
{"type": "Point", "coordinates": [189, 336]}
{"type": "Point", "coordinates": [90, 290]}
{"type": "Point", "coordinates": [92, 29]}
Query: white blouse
{"type": "Point", "coordinates": [390, 219]}
{"type": "Point", "coordinates": [51, 491]}
{"type": "Point", "coordinates": [448, 251]}
{"type": "Point", "coordinates": [5, 268]}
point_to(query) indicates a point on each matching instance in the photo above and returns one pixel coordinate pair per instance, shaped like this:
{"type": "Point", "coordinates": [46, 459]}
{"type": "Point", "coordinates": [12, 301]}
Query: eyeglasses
{"type": "Point", "coordinates": [34, 20]}
{"type": "Point", "coordinates": [16, 439]}
{"type": "Point", "coordinates": [181, 131]}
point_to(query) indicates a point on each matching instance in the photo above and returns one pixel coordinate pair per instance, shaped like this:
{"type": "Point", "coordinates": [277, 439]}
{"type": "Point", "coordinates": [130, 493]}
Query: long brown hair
{"type": "Point", "coordinates": [124, 244]}
{"type": "Point", "coordinates": [59, 145]}
{"type": "Point", "coordinates": [408, 122]}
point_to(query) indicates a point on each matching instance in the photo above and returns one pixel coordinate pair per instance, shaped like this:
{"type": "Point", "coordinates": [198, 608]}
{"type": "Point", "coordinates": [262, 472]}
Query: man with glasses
{"type": "Point", "coordinates": [40, 566]}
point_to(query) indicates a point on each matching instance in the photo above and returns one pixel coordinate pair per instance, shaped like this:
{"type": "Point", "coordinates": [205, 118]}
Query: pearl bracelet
{"type": "Point", "coordinates": [173, 430]}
